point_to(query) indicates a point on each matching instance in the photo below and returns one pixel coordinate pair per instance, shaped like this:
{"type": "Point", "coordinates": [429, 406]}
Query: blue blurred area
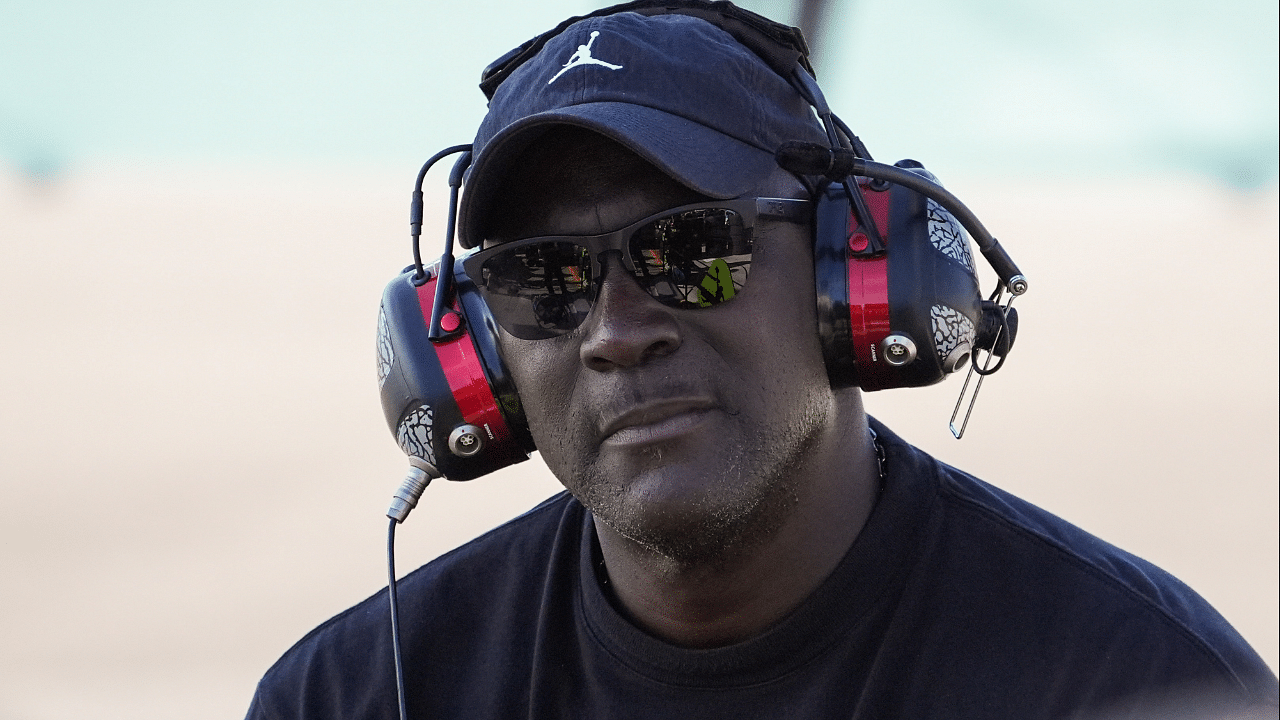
{"type": "Point", "coordinates": [1089, 87]}
{"type": "Point", "coordinates": [1020, 87]}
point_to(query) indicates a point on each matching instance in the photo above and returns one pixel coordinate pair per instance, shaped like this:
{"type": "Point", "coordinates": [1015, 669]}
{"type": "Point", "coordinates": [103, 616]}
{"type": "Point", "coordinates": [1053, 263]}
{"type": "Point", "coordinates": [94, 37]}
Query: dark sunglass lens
{"type": "Point", "coordinates": [692, 259]}
{"type": "Point", "coordinates": [539, 290]}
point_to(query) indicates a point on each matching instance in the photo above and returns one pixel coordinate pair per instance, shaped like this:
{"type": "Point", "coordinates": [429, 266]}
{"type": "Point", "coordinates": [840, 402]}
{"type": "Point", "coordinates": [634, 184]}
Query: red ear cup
{"type": "Point", "coordinates": [452, 402]}
{"type": "Point", "coordinates": [906, 317]}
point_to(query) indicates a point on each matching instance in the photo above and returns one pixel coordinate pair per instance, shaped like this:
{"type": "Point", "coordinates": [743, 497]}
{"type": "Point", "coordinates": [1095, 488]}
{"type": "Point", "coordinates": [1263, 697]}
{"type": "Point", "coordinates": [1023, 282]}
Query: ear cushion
{"type": "Point", "coordinates": [903, 318]}
{"type": "Point", "coordinates": [450, 403]}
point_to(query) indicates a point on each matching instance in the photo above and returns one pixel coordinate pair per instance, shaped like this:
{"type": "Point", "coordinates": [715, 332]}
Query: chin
{"type": "Point", "coordinates": [691, 516]}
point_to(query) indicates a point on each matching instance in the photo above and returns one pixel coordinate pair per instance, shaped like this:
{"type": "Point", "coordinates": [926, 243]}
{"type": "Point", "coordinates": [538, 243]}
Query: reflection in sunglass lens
{"type": "Point", "coordinates": [688, 258]}
{"type": "Point", "coordinates": [541, 290]}
{"type": "Point", "coordinates": [696, 258]}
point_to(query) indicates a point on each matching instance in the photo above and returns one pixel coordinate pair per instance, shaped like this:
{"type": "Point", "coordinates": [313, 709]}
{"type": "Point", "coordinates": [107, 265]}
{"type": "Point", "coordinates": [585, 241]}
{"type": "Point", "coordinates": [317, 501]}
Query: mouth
{"type": "Point", "coordinates": [656, 422]}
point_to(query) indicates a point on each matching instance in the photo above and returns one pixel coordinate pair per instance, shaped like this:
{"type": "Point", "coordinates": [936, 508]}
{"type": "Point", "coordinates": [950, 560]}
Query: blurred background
{"type": "Point", "coordinates": [201, 202]}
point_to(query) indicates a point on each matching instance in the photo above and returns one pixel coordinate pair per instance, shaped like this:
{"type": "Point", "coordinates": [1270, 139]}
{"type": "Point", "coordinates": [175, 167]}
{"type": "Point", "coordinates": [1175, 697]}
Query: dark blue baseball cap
{"type": "Point", "coordinates": [676, 90]}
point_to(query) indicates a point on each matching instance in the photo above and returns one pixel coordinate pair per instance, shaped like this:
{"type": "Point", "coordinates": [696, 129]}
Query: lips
{"type": "Point", "coordinates": [656, 421]}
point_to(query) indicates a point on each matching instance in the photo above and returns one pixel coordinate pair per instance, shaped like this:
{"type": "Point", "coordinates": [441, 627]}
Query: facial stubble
{"type": "Point", "coordinates": [751, 496]}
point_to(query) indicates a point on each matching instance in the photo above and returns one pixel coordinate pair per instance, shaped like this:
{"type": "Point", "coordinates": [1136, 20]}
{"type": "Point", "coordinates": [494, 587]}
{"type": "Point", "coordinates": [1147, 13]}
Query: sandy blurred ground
{"type": "Point", "coordinates": [195, 467]}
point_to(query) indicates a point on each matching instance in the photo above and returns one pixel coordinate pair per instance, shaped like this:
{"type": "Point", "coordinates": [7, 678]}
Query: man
{"type": "Point", "coordinates": [738, 538]}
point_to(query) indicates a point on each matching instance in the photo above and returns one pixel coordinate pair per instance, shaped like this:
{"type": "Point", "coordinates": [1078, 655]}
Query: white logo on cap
{"type": "Point", "coordinates": [582, 56]}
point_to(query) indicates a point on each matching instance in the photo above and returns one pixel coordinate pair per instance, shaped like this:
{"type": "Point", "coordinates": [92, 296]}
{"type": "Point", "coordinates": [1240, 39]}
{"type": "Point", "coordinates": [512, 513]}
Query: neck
{"type": "Point", "coordinates": [752, 583]}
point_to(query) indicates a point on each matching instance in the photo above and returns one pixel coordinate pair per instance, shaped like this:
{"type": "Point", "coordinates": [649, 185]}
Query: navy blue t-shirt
{"type": "Point", "coordinates": [957, 600]}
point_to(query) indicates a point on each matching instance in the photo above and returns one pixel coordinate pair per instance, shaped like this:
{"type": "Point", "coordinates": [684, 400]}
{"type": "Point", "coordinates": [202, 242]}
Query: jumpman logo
{"type": "Point", "coordinates": [582, 56]}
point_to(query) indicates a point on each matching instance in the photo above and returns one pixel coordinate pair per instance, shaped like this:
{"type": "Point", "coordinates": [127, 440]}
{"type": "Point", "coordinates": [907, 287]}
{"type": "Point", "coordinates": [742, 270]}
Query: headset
{"type": "Point", "coordinates": [897, 290]}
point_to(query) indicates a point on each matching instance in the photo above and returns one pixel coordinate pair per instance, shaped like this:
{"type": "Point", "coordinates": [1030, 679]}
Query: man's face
{"type": "Point", "coordinates": [686, 431]}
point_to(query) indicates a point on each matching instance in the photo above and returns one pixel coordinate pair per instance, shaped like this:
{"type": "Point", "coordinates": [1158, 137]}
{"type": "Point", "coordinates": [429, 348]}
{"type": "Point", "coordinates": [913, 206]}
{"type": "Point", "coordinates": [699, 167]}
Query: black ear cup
{"type": "Point", "coordinates": [450, 403]}
{"type": "Point", "coordinates": [908, 316]}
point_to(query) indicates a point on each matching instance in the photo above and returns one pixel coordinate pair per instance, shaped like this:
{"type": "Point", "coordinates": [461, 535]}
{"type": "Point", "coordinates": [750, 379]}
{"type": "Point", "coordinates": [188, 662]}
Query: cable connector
{"type": "Point", "coordinates": [421, 473]}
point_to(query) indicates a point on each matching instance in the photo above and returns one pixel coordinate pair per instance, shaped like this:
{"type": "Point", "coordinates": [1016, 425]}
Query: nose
{"type": "Point", "coordinates": [626, 326]}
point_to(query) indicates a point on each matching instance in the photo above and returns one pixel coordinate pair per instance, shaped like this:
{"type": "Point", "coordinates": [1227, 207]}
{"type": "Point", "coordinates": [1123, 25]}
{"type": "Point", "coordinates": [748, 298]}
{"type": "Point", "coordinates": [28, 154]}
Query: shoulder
{"type": "Point", "coordinates": [343, 668]}
{"type": "Point", "coordinates": [1039, 590]}
{"type": "Point", "coordinates": [1057, 551]}
{"type": "Point", "coordinates": [510, 551]}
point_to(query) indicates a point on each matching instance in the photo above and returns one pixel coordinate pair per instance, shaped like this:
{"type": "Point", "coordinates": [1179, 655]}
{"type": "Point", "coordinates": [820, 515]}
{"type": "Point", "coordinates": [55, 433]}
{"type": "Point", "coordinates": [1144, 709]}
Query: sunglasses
{"type": "Point", "coordinates": [692, 256]}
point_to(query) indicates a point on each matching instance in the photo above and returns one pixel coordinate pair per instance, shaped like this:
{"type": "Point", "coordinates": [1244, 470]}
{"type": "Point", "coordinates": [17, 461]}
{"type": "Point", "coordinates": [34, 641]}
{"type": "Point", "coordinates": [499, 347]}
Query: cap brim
{"type": "Point", "coordinates": [700, 158]}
